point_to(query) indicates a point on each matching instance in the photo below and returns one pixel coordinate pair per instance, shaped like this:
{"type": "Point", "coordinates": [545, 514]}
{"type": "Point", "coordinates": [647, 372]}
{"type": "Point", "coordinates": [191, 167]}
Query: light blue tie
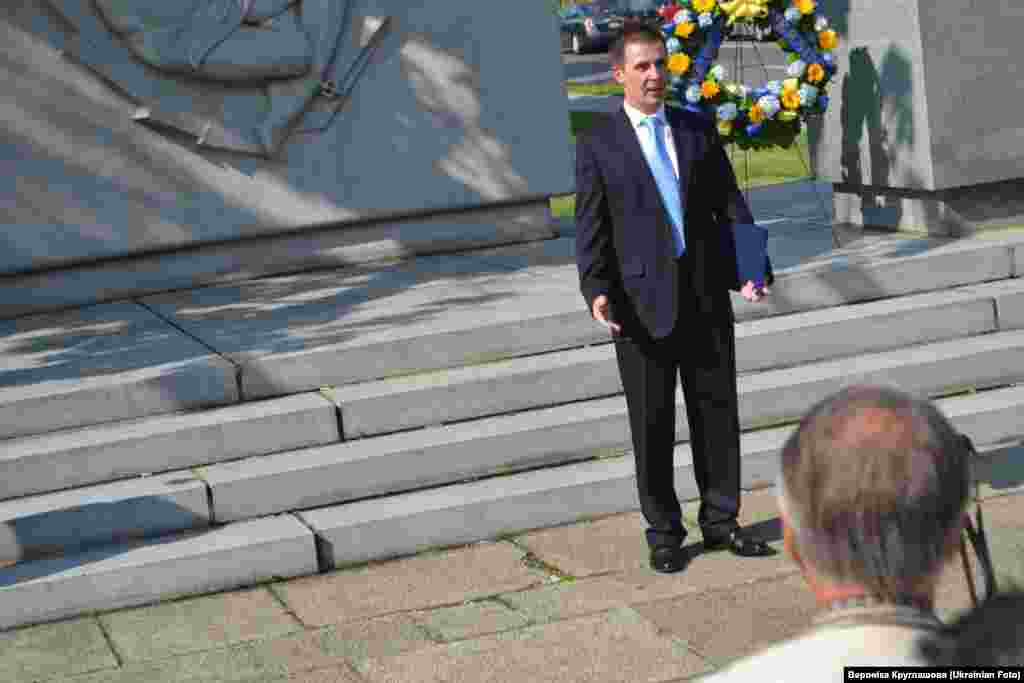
{"type": "Point", "coordinates": [665, 177]}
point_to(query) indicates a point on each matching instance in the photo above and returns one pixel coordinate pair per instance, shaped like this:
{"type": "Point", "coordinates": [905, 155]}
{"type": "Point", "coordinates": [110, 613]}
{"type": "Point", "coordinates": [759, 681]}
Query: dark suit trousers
{"type": "Point", "coordinates": [701, 349]}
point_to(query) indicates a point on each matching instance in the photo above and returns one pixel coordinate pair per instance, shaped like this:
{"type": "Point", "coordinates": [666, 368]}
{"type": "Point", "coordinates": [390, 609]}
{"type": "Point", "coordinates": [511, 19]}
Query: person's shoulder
{"type": "Point", "coordinates": [685, 118]}
{"type": "Point", "coordinates": [603, 126]}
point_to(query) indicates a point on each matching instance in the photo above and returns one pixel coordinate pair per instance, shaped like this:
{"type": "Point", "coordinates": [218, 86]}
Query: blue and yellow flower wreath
{"type": "Point", "coordinates": [772, 114]}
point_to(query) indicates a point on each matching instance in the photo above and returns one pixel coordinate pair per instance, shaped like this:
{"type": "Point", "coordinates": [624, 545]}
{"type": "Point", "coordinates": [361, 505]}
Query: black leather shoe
{"type": "Point", "coordinates": [738, 542]}
{"type": "Point", "coordinates": [667, 559]}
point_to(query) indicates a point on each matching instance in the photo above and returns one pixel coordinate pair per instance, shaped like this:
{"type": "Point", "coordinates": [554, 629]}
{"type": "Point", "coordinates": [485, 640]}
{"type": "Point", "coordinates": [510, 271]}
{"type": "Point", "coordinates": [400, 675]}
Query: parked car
{"type": "Point", "coordinates": [586, 28]}
{"type": "Point", "coordinates": [641, 10]}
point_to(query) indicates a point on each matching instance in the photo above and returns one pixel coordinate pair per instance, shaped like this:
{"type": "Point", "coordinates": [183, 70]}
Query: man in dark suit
{"type": "Point", "coordinates": [656, 200]}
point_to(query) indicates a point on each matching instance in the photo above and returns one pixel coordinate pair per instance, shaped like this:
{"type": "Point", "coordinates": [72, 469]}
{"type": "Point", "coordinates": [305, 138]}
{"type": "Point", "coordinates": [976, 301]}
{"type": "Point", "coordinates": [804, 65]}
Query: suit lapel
{"type": "Point", "coordinates": [634, 152]}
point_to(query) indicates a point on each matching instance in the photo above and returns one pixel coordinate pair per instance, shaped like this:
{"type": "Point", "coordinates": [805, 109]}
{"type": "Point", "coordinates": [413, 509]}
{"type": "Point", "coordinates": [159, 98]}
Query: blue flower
{"type": "Point", "coordinates": [717, 72]}
{"type": "Point", "coordinates": [758, 93]}
{"type": "Point", "coordinates": [792, 15]}
{"type": "Point", "coordinates": [769, 104]}
{"type": "Point", "coordinates": [754, 128]}
{"type": "Point", "coordinates": [808, 94]}
{"type": "Point", "coordinates": [693, 94]}
{"type": "Point", "coordinates": [668, 28]}
{"type": "Point", "coordinates": [774, 87]}
{"type": "Point", "coordinates": [823, 102]}
{"type": "Point", "coordinates": [796, 68]}
{"type": "Point", "coordinates": [673, 45]}
{"type": "Point", "coordinates": [727, 111]}
{"type": "Point", "coordinates": [704, 20]}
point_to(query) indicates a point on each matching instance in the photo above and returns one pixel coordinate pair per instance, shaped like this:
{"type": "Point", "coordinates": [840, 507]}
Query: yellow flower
{"type": "Point", "coordinates": [787, 115]}
{"type": "Point", "coordinates": [709, 89]}
{"type": "Point", "coordinates": [815, 73]}
{"type": "Point", "coordinates": [790, 85]}
{"type": "Point", "coordinates": [701, 6]}
{"type": "Point", "coordinates": [755, 114]}
{"type": "Point", "coordinates": [685, 28]}
{"type": "Point", "coordinates": [828, 40]}
{"type": "Point", "coordinates": [724, 128]}
{"type": "Point", "coordinates": [805, 6]}
{"type": "Point", "coordinates": [678, 63]}
{"type": "Point", "coordinates": [790, 99]}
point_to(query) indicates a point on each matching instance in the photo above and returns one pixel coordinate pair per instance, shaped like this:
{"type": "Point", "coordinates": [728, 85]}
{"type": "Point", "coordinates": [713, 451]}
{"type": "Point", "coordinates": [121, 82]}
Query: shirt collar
{"type": "Point", "coordinates": [636, 117]}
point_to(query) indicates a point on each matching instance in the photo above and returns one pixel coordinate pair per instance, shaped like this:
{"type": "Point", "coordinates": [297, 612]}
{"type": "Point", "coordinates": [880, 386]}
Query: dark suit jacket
{"type": "Point", "coordinates": [624, 246]}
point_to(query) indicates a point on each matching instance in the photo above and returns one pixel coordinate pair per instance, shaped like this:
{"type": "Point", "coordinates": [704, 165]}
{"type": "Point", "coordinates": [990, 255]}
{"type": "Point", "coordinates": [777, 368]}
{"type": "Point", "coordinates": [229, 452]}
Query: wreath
{"type": "Point", "coordinates": [767, 116]}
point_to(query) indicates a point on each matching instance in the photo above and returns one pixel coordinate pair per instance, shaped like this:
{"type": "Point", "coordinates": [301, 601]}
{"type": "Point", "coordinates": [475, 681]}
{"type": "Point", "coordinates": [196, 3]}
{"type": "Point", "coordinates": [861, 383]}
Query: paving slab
{"type": "Point", "coordinates": [45, 462]}
{"type": "Point", "coordinates": [462, 622]}
{"type": "Point", "coordinates": [722, 625]}
{"type": "Point", "coordinates": [100, 364]}
{"type": "Point", "coordinates": [74, 520]}
{"type": "Point", "coordinates": [386, 636]}
{"type": "Point", "coordinates": [127, 575]}
{"type": "Point", "coordinates": [616, 646]}
{"type": "Point", "coordinates": [197, 624]}
{"type": "Point", "coordinates": [285, 658]}
{"type": "Point", "coordinates": [444, 578]}
{"type": "Point", "coordinates": [53, 651]}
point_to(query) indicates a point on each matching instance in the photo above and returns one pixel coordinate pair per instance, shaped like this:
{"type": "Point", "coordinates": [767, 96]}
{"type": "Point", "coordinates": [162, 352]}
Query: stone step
{"type": "Point", "coordinates": [462, 513]}
{"type": "Point", "coordinates": [78, 519]}
{"type": "Point", "coordinates": [103, 364]}
{"type": "Point", "coordinates": [436, 455]}
{"type": "Point", "coordinates": [289, 335]}
{"type": "Point", "coordinates": [106, 452]}
{"type": "Point", "coordinates": [125, 575]}
{"type": "Point", "coordinates": [449, 395]}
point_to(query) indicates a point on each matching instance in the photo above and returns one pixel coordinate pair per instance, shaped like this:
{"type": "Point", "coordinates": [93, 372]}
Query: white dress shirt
{"type": "Point", "coordinates": [645, 134]}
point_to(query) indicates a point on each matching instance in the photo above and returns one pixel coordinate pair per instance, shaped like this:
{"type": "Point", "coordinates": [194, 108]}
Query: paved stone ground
{"type": "Point", "coordinates": [572, 603]}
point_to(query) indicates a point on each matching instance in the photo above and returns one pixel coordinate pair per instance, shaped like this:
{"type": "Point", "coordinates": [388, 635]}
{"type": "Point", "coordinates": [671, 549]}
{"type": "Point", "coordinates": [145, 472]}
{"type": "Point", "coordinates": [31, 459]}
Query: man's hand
{"type": "Point", "coordinates": [601, 310]}
{"type": "Point", "coordinates": [751, 292]}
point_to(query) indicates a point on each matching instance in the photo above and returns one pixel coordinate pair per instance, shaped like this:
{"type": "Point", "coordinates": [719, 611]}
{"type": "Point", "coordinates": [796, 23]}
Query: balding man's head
{"type": "Point", "coordinates": [873, 485]}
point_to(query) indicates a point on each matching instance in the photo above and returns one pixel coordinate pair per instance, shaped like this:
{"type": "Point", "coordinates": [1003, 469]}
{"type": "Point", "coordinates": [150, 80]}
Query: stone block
{"type": "Point", "coordinates": [409, 460]}
{"type": "Point", "coordinates": [76, 519]}
{"type": "Point", "coordinates": [878, 268]}
{"type": "Point", "coordinates": [982, 361]}
{"type": "Point", "coordinates": [477, 391]}
{"type": "Point", "coordinates": [1009, 300]}
{"type": "Point", "coordinates": [118, 576]}
{"type": "Point", "coordinates": [861, 328]}
{"type": "Point", "coordinates": [105, 452]}
{"type": "Point", "coordinates": [907, 139]}
{"type": "Point", "coordinates": [300, 333]}
{"type": "Point", "coordinates": [101, 364]}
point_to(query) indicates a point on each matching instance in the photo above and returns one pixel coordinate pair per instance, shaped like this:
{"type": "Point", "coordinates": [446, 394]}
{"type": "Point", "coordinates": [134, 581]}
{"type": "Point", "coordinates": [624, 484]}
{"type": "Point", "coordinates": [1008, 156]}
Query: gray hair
{"type": "Point", "coordinates": [873, 484]}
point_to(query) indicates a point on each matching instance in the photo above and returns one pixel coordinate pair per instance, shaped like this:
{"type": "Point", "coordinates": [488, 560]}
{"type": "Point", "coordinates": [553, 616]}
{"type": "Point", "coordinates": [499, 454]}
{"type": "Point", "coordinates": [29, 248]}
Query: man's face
{"type": "Point", "coordinates": [643, 75]}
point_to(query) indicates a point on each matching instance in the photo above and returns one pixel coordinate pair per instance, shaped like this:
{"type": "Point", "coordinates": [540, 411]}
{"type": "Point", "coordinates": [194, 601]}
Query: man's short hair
{"type": "Point", "coordinates": [873, 484]}
{"type": "Point", "coordinates": [632, 32]}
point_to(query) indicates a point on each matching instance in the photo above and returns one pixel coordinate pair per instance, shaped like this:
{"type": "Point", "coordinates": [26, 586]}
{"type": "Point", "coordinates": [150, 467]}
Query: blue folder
{"type": "Point", "coordinates": [751, 242]}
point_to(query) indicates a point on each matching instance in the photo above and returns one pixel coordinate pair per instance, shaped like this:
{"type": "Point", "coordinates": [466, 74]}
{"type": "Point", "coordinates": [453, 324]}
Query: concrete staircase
{"type": "Point", "coordinates": [212, 438]}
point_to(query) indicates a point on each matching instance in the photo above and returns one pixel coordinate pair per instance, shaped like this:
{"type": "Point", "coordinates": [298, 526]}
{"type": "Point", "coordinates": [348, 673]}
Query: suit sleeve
{"type": "Point", "coordinates": [730, 206]}
{"type": "Point", "coordinates": [595, 250]}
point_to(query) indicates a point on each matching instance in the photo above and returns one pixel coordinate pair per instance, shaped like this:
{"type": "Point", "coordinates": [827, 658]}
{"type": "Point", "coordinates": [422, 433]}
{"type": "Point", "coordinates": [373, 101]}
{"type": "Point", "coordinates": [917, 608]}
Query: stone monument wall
{"type": "Point", "coordinates": [207, 139]}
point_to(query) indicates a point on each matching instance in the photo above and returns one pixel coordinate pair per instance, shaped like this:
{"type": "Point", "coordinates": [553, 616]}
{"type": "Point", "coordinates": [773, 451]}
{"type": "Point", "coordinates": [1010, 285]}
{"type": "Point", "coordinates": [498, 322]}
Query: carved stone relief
{"type": "Point", "coordinates": [279, 59]}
